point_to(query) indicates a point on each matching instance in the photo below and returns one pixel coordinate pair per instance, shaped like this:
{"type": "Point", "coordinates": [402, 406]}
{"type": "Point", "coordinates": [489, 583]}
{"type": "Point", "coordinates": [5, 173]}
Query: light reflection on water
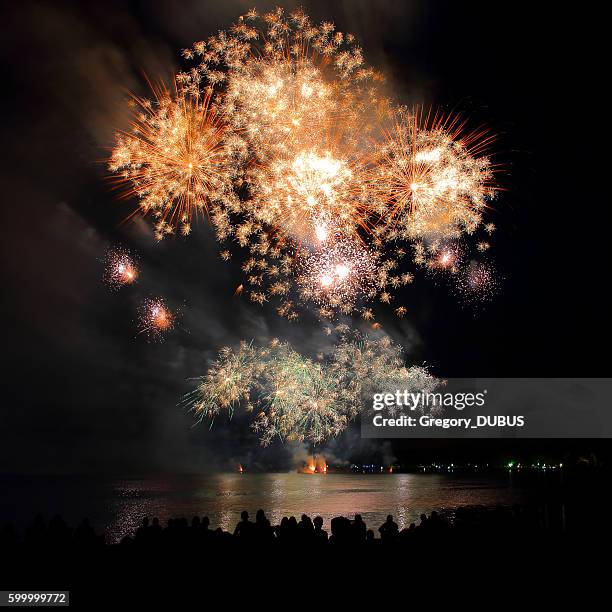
{"type": "Point", "coordinates": [223, 497]}
{"type": "Point", "coordinates": [117, 506]}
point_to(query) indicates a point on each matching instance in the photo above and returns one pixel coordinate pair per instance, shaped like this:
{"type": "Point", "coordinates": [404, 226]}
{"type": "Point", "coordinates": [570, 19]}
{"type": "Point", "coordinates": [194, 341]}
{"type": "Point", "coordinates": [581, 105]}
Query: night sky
{"type": "Point", "coordinates": [82, 392]}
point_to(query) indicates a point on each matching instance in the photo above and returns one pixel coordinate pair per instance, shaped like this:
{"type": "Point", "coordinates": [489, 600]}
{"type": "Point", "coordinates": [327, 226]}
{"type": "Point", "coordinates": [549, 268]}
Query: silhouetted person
{"type": "Point", "coordinates": [244, 529]}
{"type": "Point", "coordinates": [263, 530]}
{"type": "Point", "coordinates": [8, 538]}
{"type": "Point", "coordinates": [155, 532]}
{"type": "Point", "coordinates": [388, 529]}
{"type": "Point", "coordinates": [292, 529]}
{"type": "Point", "coordinates": [58, 533]}
{"type": "Point", "coordinates": [221, 537]}
{"type": "Point", "coordinates": [369, 536]}
{"type": "Point", "coordinates": [205, 530]}
{"type": "Point", "coordinates": [36, 533]}
{"type": "Point", "coordinates": [306, 528]}
{"type": "Point", "coordinates": [319, 534]}
{"type": "Point", "coordinates": [359, 528]}
{"type": "Point", "coordinates": [282, 529]}
{"type": "Point", "coordinates": [437, 523]}
{"type": "Point", "coordinates": [341, 530]}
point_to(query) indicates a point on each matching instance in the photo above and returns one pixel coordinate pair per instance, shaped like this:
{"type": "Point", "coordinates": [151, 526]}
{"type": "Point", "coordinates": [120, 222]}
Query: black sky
{"type": "Point", "coordinates": [82, 392]}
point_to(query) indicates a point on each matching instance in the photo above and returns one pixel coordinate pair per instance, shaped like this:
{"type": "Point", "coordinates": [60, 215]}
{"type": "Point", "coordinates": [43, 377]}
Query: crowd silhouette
{"type": "Point", "coordinates": [474, 522]}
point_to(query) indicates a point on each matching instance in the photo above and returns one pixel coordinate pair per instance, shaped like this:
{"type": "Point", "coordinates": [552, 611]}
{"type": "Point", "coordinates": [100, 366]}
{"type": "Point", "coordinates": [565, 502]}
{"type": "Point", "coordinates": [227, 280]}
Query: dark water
{"type": "Point", "coordinates": [117, 505]}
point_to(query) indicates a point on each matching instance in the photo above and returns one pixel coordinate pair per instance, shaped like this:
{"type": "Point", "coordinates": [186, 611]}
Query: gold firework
{"type": "Point", "coordinates": [176, 159]}
{"type": "Point", "coordinates": [299, 96]}
{"type": "Point", "coordinates": [313, 191]}
{"type": "Point", "coordinates": [432, 177]}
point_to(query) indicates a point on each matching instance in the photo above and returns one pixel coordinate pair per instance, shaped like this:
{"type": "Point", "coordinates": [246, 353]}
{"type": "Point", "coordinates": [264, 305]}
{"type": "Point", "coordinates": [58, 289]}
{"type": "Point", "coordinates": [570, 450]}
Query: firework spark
{"type": "Point", "coordinates": [478, 282]}
{"type": "Point", "coordinates": [155, 319]}
{"type": "Point", "coordinates": [120, 268]}
{"type": "Point", "coordinates": [444, 256]}
{"type": "Point", "coordinates": [337, 275]}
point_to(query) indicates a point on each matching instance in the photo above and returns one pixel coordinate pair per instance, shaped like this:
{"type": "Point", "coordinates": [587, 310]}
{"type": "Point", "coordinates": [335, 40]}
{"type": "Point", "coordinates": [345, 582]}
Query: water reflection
{"type": "Point", "coordinates": [118, 505]}
{"type": "Point", "coordinates": [222, 497]}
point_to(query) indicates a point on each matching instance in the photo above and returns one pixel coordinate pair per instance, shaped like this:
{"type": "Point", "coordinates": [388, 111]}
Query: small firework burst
{"type": "Point", "coordinates": [338, 274]}
{"type": "Point", "coordinates": [446, 256]}
{"type": "Point", "coordinates": [120, 268]}
{"type": "Point", "coordinates": [155, 318]}
{"type": "Point", "coordinates": [478, 282]}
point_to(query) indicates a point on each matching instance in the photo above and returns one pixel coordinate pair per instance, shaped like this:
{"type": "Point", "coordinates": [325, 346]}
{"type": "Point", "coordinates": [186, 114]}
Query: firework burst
{"type": "Point", "coordinates": [155, 319]}
{"type": "Point", "coordinates": [298, 95]}
{"type": "Point", "coordinates": [432, 177]}
{"type": "Point", "coordinates": [120, 268]}
{"type": "Point", "coordinates": [295, 398]}
{"type": "Point", "coordinates": [281, 135]}
{"type": "Point", "coordinates": [338, 274]}
{"type": "Point", "coordinates": [313, 191]}
{"type": "Point", "coordinates": [177, 159]}
{"type": "Point", "coordinates": [477, 282]}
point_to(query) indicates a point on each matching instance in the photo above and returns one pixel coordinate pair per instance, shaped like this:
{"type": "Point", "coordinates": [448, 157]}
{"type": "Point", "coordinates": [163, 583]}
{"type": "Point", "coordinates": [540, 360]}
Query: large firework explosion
{"type": "Point", "coordinates": [282, 134]}
{"type": "Point", "coordinates": [293, 397]}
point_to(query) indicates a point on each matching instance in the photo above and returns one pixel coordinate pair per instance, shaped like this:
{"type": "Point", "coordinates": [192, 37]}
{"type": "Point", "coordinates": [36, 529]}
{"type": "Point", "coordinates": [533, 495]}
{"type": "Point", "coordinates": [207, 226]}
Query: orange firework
{"type": "Point", "coordinates": [120, 268]}
{"type": "Point", "coordinates": [176, 159]}
{"type": "Point", "coordinates": [432, 176]}
{"type": "Point", "coordinates": [279, 133]}
{"type": "Point", "coordinates": [313, 190]}
{"type": "Point", "coordinates": [155, 318]}
{"type": "Point", "coordinates": [300, 98]}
